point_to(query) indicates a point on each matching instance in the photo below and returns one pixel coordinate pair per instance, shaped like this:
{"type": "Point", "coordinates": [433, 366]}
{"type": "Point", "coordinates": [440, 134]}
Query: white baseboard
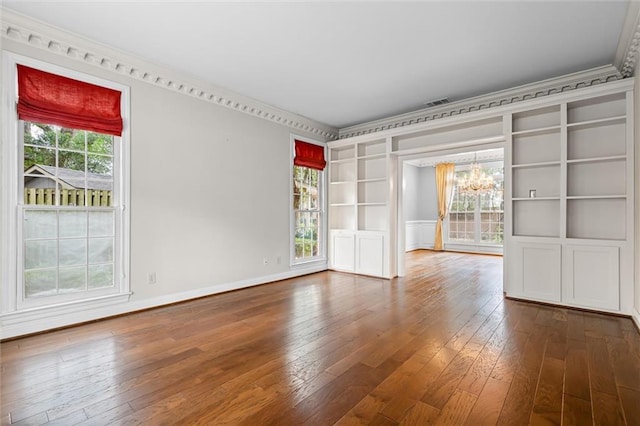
{"type": "Point", "coordinates": [635, 316]}
{"type": "Point", "coordinates": [16, 324]}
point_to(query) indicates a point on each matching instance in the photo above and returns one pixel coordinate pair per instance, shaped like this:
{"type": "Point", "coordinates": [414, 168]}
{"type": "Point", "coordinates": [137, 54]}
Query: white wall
{"type": "Point", "coordinates": [209, 192]}
{"type": "Point", "coordinates": [411, 188]}
{"type": "Point", "coordinates": [428, 200]}
{"type": "Point", "coordinates": [420, 198]}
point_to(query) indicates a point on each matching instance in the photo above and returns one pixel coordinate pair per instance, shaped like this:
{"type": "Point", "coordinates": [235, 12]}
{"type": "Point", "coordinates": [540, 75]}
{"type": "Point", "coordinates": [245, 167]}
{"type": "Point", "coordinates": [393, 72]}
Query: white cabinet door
{"type": "Point", "coordinates": [370, 254]}
{"type": "Point", "coordinates": [592, 276]}
{"type": "Point", "coordinates": [535, 271]}
{"type": "Point", "coordinates": [343, 251]}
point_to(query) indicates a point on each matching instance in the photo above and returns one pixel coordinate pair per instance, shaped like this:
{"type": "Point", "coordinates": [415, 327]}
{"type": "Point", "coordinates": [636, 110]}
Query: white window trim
{"type": "Point", "coordinates": [322, 258]}
{"type": "Point", "coordinates": [12, 309]}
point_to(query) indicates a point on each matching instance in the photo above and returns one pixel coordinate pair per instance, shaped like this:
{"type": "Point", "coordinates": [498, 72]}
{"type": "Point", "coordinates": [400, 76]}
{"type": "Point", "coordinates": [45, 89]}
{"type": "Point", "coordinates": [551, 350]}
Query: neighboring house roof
{"type": "Point", "coordinates": [70, 179]}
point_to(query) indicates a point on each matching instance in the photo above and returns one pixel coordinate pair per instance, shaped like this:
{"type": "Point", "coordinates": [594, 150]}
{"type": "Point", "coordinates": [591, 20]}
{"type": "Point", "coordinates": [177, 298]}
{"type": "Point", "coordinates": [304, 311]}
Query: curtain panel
{"type": "Point", "coordinates": [445, 184]}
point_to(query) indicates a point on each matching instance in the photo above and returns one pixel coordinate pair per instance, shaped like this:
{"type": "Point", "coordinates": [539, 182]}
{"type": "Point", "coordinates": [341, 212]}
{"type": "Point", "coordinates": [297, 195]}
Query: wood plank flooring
{"type": "Point", "coordinates": [440, 346]}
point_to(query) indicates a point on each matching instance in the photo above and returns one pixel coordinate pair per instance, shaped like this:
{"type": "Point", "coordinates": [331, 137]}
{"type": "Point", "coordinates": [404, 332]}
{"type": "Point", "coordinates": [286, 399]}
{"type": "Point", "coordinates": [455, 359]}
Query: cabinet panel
{"type": "Point", "coordinates": [592, 276]}
{"type": "Point", "coordinates": [343, 251]}
{"type": "Point", "coordinates": [370, 254]}
{"type": "Point", "coordinates": [536, 271]}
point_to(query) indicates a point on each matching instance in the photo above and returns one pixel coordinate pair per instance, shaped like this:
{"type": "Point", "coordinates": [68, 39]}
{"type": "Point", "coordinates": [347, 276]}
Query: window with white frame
{"type": "Point", "coordinates": [71, 231]}
{"type": "Point", "coordinates": [478, 219]}
{"type": "Point", "coordinates": [307, 210]}
{"type": "Point", "coordinates": [307, 199]}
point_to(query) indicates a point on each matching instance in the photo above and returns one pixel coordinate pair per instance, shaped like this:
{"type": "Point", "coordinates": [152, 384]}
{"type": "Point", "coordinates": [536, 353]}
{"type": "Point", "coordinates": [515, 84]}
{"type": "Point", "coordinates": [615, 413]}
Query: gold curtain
{"type": "Point", "coordinates": [445, 177]}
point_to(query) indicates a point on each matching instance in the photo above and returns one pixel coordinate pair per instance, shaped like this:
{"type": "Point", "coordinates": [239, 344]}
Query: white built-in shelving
{"type": "Point", "coordinates": [571, 189]}
{"type": "Point", "coordinates": [358, 207]}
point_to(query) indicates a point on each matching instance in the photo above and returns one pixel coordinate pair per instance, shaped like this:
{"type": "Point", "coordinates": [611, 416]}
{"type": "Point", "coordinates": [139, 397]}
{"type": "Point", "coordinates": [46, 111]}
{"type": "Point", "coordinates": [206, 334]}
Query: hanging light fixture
{"type": "Point", "coordinates": [476, 181]}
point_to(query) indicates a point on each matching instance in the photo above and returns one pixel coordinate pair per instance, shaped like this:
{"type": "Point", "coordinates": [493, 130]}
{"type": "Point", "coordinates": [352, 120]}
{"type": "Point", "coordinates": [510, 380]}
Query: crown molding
{"type": "Point", "coordinates": [526, 92]}
{"type": "Point", "coordinates": [626, 54]}
{"type": "Point", "coordinates": [40, 35]}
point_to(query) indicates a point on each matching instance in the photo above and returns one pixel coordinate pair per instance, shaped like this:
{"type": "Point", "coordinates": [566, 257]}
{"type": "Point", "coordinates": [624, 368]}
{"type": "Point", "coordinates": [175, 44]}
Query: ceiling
{"type": "Point", "coordinates": [345, 63]}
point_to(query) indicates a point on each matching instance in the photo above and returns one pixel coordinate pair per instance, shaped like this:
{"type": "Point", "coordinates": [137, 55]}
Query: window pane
{"type": "Point", "coordinates": [40, 224]}
{"type": "Point", "coordinates": [40, 254]}
{"type": "Point", "coordinates": [100, 224]}
{"type": "Point", "coordinates": [39, 134]}
{"type": "Point", "coordinates": [100, 164]}
{"type": "Point", "coordinates": [100, 276]}
{"type": "Point", "coordinates": [41, 282]}
{"type": "Point", "coordinates": [39, 156]}
{"type": "Point", "coordinates": [73, 224]}
{"type": "Point", "coordinates": [72, 161]}
{"type": "Point", "coordinates": [71, 139]}
{"type": "Point", "coordinates": [72, 279]}
{"type": "Point", "coordinates": [73, 252]}
{"type": "Point", "coordinates": [100, 250]}
{"type": "Point", "coordinates": [99, 143]}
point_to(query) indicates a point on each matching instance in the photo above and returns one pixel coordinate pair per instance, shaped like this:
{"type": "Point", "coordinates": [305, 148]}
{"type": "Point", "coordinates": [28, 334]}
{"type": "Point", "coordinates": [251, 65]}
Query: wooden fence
{"type": "Point", "coordinates": [68, 197]}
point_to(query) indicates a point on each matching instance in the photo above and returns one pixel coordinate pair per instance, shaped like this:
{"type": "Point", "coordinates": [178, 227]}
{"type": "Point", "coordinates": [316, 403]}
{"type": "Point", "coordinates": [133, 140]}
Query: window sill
{"type": "Point", "coordinates": [42, 318]}
{"type": "Point", "coordinates": [318, 261]}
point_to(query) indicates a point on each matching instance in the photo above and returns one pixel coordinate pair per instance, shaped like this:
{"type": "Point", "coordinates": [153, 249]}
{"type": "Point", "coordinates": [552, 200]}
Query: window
{"type": "Point", "coordinates": [67, 212]}
{"type": "Point", "coordinates": [71, 232]}
{"type": "Point", "coordinates": [308, 202]}
{"type": "Point", "coordinates": [478, 219]}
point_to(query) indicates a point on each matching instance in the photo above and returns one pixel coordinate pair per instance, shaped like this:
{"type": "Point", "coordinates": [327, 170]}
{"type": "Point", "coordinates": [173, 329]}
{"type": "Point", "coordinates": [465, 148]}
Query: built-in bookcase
{"type": "Point", "coordinates": [536, 172]}
{"type": "Point", "coordinates": [359, 206]}
{"type": "Point", "coordinates": [571, 194]}
{"type": "Point", "coordinates": [597, 168]}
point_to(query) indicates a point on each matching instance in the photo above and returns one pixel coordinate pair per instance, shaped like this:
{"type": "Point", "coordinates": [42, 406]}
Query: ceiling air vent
{"type": "Point", "coordinates": [436, 102]}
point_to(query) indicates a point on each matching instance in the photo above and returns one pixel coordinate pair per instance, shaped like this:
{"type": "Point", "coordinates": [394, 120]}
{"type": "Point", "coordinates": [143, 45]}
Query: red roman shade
{"type": "Point", "coordinates": [309, 155]}
{"type": "Point", "coordinates": [52, 99]}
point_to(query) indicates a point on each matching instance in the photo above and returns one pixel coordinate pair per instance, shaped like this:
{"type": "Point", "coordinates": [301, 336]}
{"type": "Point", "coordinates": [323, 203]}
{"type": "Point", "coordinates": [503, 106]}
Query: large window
{"type": "Point", "coordinates": [68, 232]}
{"type": "Point", "coordinates": [307, 208]}
{"type": "Point", "coordinates": [68, 165]}
{"type": "Point", "coordinates": [307, 215]}
{"type": "Point", "coordinates": [478, 219]}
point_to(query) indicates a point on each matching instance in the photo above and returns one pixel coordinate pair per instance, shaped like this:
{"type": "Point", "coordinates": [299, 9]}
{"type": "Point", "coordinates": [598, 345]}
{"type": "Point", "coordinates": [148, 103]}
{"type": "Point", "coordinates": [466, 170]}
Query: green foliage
{"type": "Point", "coordinates": [40, 148]}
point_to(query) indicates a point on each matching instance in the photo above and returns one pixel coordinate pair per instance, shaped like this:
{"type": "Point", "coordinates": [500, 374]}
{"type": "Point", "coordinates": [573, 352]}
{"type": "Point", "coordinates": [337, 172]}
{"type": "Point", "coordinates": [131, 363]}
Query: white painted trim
{"type": "Point", "coordinates": [13, 298]}
{"type": "Point", "coordinates": [22, 323]}
{"type": "Point", "coordinates": [635, 316]}
{"type": "Point", "coordinates": [626, 53]}
{"type": "Point", "coordinates": [40, 35]}
{"type": "Point", "coordinates": [569, 93]}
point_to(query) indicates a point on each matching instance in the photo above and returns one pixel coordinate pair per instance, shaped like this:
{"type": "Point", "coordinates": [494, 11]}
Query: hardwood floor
{"type": "Point", "coordinates": [440, 346]}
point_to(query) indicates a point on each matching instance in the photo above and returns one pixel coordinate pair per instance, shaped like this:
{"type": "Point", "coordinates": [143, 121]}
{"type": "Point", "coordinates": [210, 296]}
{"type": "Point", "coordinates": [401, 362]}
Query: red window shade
{"type": "Point", "coordinates": [309, 155]}
{"type": "Point", "coordinates": [52, 99]}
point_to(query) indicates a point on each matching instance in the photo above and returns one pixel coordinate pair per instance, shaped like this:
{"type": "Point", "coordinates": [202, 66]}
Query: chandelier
{"type": "Point", "coordinates": [476, 181]}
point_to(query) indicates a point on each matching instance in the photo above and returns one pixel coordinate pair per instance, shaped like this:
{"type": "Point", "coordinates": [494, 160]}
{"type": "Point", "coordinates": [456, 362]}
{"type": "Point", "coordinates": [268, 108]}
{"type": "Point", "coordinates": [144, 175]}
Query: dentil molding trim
{"type": "Point", "coordinates": [504, 97]}
{"type": "Point", "coordinates": [34, 33]}
{"type": "Point", "coordinates": [627, 52]}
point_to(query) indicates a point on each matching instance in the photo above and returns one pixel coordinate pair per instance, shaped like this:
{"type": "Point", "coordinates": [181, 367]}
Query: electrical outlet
{"type": "Point", "coordinates": [265, 261]}
{"type": "Point", "coordinates": [278, 260]}
{"type": "Point", "coordinates": [151, 278]}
